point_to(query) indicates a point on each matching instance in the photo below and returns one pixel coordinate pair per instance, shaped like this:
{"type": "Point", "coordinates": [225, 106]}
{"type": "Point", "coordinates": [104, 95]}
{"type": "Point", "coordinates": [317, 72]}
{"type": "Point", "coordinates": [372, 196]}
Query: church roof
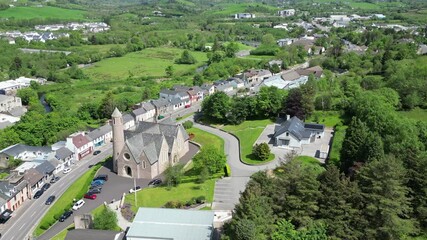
{"type": "Point", "coordinates": [151, 136]}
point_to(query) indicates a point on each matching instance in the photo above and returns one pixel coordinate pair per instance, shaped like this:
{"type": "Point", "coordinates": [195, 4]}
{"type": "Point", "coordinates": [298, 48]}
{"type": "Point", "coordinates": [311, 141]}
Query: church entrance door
{"type": "Point", "coordinates": [128, 171]}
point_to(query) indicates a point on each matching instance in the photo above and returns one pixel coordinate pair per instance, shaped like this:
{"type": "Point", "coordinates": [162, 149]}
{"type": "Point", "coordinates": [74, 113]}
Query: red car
{"type": "Point", "coordinates": [90, 196]}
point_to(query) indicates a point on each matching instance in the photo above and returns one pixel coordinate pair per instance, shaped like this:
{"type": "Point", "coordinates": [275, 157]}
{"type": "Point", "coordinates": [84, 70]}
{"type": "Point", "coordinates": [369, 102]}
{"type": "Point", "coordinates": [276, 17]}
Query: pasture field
{"type": "Point", "coordinates": [42, 12]}
{"type": "Point", "coordinates": [233, 8]}
{"type": "Point", "coordinates": [148, 62]}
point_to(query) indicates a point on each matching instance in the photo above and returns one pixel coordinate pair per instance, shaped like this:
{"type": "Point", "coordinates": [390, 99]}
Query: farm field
{"type": "Point", "coordinates": [42, 12]}
{"type": "Point", "coordinates": [148, 62]}
{"type": "Point", "coordinates": [232, 8]}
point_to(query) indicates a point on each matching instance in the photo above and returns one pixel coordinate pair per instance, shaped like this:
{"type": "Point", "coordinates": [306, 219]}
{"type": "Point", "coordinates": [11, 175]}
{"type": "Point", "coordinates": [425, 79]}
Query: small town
{"type": "Point", "coordinates": [196, 120]}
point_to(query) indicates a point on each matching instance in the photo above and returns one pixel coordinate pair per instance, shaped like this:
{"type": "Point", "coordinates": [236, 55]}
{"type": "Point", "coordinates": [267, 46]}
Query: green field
{"type": "Point", "coordinates": [338, 138]}
{"type": "Point", "coordinates": [417, 114]}
{"type": "Point", "coordinates": [204, 138]}
{"type": "Point", "coordinates": [233, 8]}
{"type": "Point", "coordinates": [328, 118]}
{"type": "Point", "coordinates": [248, 132]}
{"type": "Point", "coordinates": [259, 57]}
{"type": "Point", "coordinates": [42, 12]}
{"type": "Point", "coordinates": [148, 62]}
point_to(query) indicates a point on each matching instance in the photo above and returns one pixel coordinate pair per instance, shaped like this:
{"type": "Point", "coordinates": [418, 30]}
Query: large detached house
{"type": "Point", "coordinates": [293, 133]}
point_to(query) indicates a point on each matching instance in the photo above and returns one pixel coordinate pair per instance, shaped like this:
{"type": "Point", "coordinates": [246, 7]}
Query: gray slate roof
{"type": "Point", "coordinates": [147, 139]}
{"type": "Point", "coordinates": [99, 132]}
{"type": "Point", "coordinates": [6, 124]}
{"type": "Point", "coordinates": [17, 111]}
{"type": "Point", "coordinates": [15, 150]}
{"type": "Point", "coordinates": [63, 153]}
{"type": "Point", "coordinates": [295, 127]}
{"type": "Point", "coordinates": [147, 106]}
{"type": "Point", "coordinates": [139, 111]}
{"type": "Point", "coordinates": [177, 224]}
{"type": "Point", "coordinates": [160, 103]}
{"type": "Point", "coordinates": [45, 167]}
{"type": "Point", "coordinates": [128, 118]}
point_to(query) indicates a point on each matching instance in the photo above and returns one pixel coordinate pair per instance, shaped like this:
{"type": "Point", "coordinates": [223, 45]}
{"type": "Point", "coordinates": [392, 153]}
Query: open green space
{"type": "Point", "coordinates": [258, 57]}
{"type": "Point", "coordinates": [311, 163]}
{"type": "Point", "coordinates": [417, 114]}
{"type": "Point", "coordinates": [158, 197]}
{"type": "Point", "coordinates": [233, 8]}
{"type": "Point", "coordinates": [204, 138]}
{"type": "Point", "coordinates": [328, 118]}
{"type": "Point", "coordinates": [148, 62]}
{"type": "Point", "coordinates": [63, 233]}
{"type": "Point", "coordinates": [65, 202]}
{"type": "Point", "coordinates": [42, 12]}
{"type": "Point", "coordinates": [248, 132]}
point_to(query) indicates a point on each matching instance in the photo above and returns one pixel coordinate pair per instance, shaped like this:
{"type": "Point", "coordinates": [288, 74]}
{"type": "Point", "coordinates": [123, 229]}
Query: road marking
{"type": "Point", "coordinates": [33, 214]}
{"type": "Point", "coordinates": [62, 184]}
{"type": "Point", "coordinates": [21, 227]}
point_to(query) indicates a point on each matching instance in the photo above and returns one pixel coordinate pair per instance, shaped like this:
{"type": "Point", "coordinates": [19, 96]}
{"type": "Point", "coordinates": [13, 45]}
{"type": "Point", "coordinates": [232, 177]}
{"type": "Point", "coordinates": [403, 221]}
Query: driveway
{"type": "Point", "coordinates": [113, 189]}
{"type": "Point", "coordinates": [305, 150]}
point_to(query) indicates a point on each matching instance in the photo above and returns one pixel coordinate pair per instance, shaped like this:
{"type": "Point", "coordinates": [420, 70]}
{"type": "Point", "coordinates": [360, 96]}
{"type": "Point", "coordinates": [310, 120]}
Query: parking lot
{"type": "Point", "coordinates": [305, 150]}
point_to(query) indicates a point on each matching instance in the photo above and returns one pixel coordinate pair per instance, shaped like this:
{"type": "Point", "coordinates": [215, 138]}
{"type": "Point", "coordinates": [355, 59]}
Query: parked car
{"type": "Point", "coordinates": [95, 190]}
{"type": "Point", "coordinates": [50, 200]}
{"type": "Point", "coordinates": [6, 215]}
{"type": "Point", "coordinates": [54, 179]}
{"type": "Point", "coordinates": [78, 204]}
{"type": "Point", "coordinates": [38, 194]}
{"type": "Point", "coordinates": [155, 182]}
{"type": "Point", "coordinates": [46, 186]}
{"type": "Point", "coordinates": [103, 177]}
{"type": "Point", "coordinates": [67, 170]}
{"type": "Point", "coordinates": [135, 189]}
{"type": "Point", "coordinates": [65, 215]}
{"type": "Point", "coordinates": [90, 195]}
{"type": "Point", "coordinates": [97, 182]}
{"type": "Point", "coordinates": [96, 152]}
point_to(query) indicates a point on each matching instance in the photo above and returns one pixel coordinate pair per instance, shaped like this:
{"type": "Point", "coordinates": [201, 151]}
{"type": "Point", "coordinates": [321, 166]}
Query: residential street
{"type": "Point", "coordinates": [26, 218]}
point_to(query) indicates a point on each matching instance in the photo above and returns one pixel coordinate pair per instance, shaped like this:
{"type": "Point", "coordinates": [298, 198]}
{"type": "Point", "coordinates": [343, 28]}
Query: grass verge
{"type": "Point", "coordinates": [328, 118]}
{"type": "Point", "coordinates": [338, 138]}
{"type": "Point", "coordinates": [204, 138]}
{"type": "Point", "coordinates": [65, 202]}
{"type": "Point", "coordinates": [63, 233]}
{"type": "Point", "coordinates": [248, 132]}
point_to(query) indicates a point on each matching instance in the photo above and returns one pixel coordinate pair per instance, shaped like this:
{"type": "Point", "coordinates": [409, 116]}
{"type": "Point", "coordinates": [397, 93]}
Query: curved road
{"type": "Point", "coordinates": [227, 190]}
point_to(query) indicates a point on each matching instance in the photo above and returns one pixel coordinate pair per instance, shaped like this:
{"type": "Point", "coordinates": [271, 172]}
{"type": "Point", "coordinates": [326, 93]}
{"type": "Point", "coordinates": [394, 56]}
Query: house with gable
{"type": "Point", "coordinates": [162, 107]}
{"type": "Point", "coordinates": [14, 193]}
{"type": "Point", "coordinates": [171, 94]}
{"type": "Point", "coordinates": [294, 133]}
{"type": "Point", "coordinates": [129, 121]}
{"type": "Point", "coordinates": [65, 155]}
{"type": "Point", "coordinates": [208, 88]}
{"type": "Point", "coordinates": [286, 12]}
{"type": "Point", "coordinates": [256, 76]}
{"type": "Point", "coordinates": [316, 71]}
{"type": "Point", "coordinates": [144, 111]}
{"type": "Point", "coordinates": [101, 136]}
{"type": "Point", "coordinates": [79, 144]}
{"type": "Point", "coordinates": [24, 152]}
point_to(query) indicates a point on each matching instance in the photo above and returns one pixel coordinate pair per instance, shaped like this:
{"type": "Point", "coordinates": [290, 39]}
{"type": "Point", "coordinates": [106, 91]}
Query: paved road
{"type": "Point", "coordinates": [23, 222]}
{"type": "Point", "coordinates": [113, 189]}
{"type": "Point", "coordinates": [227, 190]}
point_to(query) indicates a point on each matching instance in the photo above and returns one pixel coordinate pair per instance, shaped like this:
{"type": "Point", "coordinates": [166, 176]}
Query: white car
{"type": "Point", "coordinates": [67, 170]}
{"type": "Point", "coordinates": [78, 204]}
{"type": "Point", "coordinates": [135, 189]}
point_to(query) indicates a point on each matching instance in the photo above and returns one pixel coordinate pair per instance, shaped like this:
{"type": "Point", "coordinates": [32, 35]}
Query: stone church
{"type": "Point", "coordinates": [147, 149]}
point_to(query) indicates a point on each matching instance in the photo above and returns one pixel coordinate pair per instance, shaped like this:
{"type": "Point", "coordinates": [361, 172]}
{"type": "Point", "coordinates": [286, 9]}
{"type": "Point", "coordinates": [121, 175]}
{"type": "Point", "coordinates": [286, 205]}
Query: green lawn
{"type": "Point", "coordinates": [417, 114]}
{"type": "Point", "coordinates": [311, 162]}
{"type": "Point", "coordinates": [259, 57]}
{"type": "Point", "coordinates": [338, 138]}
{"type": "Point", "coordinates": [233, 8]}
{"type": "Point", "coordinates": [205, 138]}
{"type": "Point", "coordinates": [42, 12]}
{"type": "Point", "coordinates": [63, 233]}
{"type": "Point", "coordinates": [248, 132]}
{"type": "Point", "coordinates": [65, 202]}
{"type": "Point", "coordinates": [148, 62]}
{"type": "Point", "coordinates": [158, 197]}
{"type": "Point", "coordinates": [328, 118]}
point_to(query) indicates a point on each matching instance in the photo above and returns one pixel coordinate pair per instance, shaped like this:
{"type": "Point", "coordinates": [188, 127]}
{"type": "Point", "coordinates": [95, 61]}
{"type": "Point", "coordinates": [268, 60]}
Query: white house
{"type": "Point", "coordinates": [128, 121]}
{"type": "Point", "coordinates": [25, 152]}
{"type": "Point", "coordinates": [294, 133]}
{"type": "Point", "coordinates": [80, 145]}
{"type": "Point", "coordinates": [243, 15]}
{"type": "Point", "coordinates": [8, 103]}
{"type": "Point", "coordinates": [209, 88]}
{"type": "Point", "coordinates": [101, 136]}
{"type": "Point", "coordinates": [286, 12]}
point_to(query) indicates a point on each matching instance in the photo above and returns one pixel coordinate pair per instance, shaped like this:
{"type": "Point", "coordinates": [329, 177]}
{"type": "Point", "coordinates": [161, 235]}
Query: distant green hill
{"type": "Point", "coordinates": [42, 12]}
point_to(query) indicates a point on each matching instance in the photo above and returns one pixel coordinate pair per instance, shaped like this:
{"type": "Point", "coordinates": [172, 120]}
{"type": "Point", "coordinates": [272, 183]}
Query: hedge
{"type": "Point", "coordinates": [227, 170]}
{"type": "Point", "coordinates": [76, 191]}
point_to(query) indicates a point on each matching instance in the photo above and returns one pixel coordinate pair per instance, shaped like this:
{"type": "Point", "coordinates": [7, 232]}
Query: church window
{"type": "Point", "coordinates": [144, 165]}
{"type": "Point", "coordinates": [126, 156]}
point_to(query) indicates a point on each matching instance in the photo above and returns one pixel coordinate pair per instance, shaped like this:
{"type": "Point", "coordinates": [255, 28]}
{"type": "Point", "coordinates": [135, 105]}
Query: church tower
{"type": "Point", "coordinates": [118, 136]}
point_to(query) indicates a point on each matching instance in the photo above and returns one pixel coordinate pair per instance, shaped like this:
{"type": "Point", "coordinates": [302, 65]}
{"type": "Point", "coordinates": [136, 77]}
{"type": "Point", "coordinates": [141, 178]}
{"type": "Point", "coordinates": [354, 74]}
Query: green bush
{"type": "Point", "coordinates": [187, 124]}
{"type": "Point", "coordinates": [227, 170]}
{"type": "Point", "coordinates": [201, 199]}
{"type": "Point", "coordinates": [173, 204]}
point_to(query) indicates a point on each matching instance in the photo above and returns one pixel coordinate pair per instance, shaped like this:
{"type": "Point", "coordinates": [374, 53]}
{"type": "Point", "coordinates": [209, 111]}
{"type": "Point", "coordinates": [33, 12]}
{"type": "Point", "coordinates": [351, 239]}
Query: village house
{"type": "Point", "coordinates": [24, 152]}
{"type": "Point", "coordinates": [316, 71]}
{"type": "Point", "coordinates": [7, 103]}
{"type": "Point", "coordinates": [286, 12]}
{"type": "Point", "coordinates": [65, 155]}
{"type": "Point", "coordinates": [244, 15]}
{"type": "Point", "coordinates": [208, 88]}
{"type": "Point", "coordinates": [223, 86]}
{"type": "Point", "coordinates": [144, 111]}
{"type": "Point", "coordinates": [10, 87]}
{"type": "Point", "coordinates": [162, 107]}
{"type": "Point", "coordinates": [237, 83]}
{"type": "Point", "coordinates": [285, 42]}
{"type": "Point", "coordinates": [79, 144]}
{"type": "Point", "coordinates": [13, 193]}
{"type": "Point", "coordinates": [294, 133]}
{"type": "Point", "coordinates": [129, 121]}
{"type": "Point", "coordinates": [256, 76]}
{"type": "Point", "coordinates": [35, 180]}
{"type": "Point", "coordinates": [101, 136]}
